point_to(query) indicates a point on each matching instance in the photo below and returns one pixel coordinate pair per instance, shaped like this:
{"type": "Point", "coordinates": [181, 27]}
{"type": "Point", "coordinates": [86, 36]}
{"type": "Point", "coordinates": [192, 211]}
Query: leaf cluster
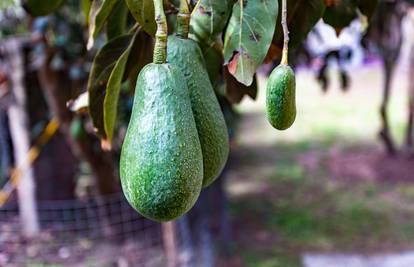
{"type": "Point", "coordinates": [236, 37]}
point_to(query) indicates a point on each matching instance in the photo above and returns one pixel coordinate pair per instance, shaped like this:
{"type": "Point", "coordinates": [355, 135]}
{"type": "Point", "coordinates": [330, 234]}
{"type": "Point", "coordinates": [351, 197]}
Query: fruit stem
{"type": "Point", "coordinates": [160, 48]}
{"type": "Point", "coordinates": [183, 20]}
{"type": "Point", "coordinates": [285, 51]}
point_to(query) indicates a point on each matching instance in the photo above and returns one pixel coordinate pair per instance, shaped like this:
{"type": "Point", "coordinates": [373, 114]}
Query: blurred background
{"type": "Point", "coordinates": [336, 189]}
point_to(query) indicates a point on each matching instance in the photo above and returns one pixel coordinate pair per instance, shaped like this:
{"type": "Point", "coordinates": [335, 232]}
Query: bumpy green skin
{"type": "Point", "coordinates": [281, 97]}
{"type": "Point", "coordinates": [161, 163]}
{"type": "Point", "coordinates": [212, 129]}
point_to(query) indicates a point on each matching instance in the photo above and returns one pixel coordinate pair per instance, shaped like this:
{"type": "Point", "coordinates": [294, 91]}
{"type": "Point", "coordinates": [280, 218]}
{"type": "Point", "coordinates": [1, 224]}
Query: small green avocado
{"type": "Point", "coordinates": [211, 126]}
{"type": "Point", "coordinates": [161, 164]}
{"type": "Point", "coordinates": [280, 97]}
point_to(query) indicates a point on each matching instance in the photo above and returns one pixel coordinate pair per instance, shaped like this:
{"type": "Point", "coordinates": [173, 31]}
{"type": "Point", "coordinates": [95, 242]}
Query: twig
{"type": "Point", "coordinates": [160, 48]}
{"type": "Point", "coordinates": [285, 34]}
{"type": "Point", "coordinates": [183, 20]}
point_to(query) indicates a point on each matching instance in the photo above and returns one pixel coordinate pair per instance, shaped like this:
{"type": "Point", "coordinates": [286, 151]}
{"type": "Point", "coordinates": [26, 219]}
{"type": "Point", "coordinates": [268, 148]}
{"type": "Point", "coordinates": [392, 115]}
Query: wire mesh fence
{"type": "Point", "coordinates": [90, 232]}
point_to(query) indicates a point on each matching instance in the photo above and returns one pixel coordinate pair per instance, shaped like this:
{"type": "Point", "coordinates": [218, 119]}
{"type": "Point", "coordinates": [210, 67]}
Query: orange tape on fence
{"type": "Point", "coordinates": [32, 155]}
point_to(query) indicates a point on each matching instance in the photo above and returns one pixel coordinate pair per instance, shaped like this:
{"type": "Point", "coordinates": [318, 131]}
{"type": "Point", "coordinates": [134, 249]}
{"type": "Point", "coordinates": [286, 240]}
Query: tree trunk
{"type": "Point", "coordinates": [409, 131]}
{"type": "Point", "coordinates": [187, 244]}
{"type": "Point", "coordinates": [170, 243]}
{"type": "Point", "coordinates": [5, 158]}
{"type": "Point", "coordinates": [52, 83]}
{"type": "Point", "coordinates": [385, 133]}
{"type": "Point", "coordinates": [207, 258]}
{"type": "Point", "coordinates": [410, 120]}
{"type": "Point", "coordinates": [55, 175]}
{"type": "Point", "coordinates": [226, 232]}
{"type": "Point", "coordinates": [386, 32]}
{"type": "Point", "coordinates": [19, 128]}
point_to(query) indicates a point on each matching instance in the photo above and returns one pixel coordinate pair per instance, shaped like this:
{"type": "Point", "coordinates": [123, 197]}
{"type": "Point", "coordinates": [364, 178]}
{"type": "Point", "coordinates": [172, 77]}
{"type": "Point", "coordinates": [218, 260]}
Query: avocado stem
{"type": "Point", "coordinates": [183, 20]}
{"type": "Point", "coordinates": [160, 48]}
{"type": "Point", "coordinates": [285, 51]}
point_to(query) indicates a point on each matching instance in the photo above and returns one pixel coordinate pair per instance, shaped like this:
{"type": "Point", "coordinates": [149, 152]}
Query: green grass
{"type": "Point", "coordinates": [300, 213]}
{"type": "Point", "coordinates": [270, 259]}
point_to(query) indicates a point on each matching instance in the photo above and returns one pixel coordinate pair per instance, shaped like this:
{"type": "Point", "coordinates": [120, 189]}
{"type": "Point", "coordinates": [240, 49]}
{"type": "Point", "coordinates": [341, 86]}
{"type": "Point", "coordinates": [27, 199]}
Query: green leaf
{"type": "Point", "coordinates": [117, 21]}
{"type": "Point", "coordinates": [302, 15]}
{"type": "Point", "coordinates": [118, 60]}
{"type": "Point", "coordinates": [99, 13]}
{"type": "Point", "coordinates": [209, 19]}
{"type": "Point", "coordinates": [39, 8]}
{"type": "Point", "coordinates": [113, 89]}
{"type": "Point", "coordinates": [213, 57]}
{"type": "Point", "coordinates": [248, 37]}
{"type": "Point", "coordinates": [141, 55]}
{"type": "Point", "coordinates": [143, 12]}
{"type": "Point", "coordinates": [85, 6]}
{"type": "Point", "coordinates": [103, 64]}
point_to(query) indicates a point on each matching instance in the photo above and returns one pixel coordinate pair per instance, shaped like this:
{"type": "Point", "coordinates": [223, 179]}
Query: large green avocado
{"type": "Point", "coordinates": [280, 97]}
{"type": "Point", "coordinates": [212, 129]}
{"type": "Point", "coordinates": [161, 163]}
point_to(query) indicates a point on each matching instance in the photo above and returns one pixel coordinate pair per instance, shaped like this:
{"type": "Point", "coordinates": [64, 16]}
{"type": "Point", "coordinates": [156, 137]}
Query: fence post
{"type": "Point", "coordinates": [19, 128]}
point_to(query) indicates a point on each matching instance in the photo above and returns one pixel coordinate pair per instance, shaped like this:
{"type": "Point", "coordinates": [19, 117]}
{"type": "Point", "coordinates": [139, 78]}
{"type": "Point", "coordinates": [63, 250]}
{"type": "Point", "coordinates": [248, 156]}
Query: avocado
{"type": "Point", "coordinates": [211, 127]}
{"type": "Point", "coordinates": [280, 97]}
{"type": "Point", "coordinates": [161, 164]}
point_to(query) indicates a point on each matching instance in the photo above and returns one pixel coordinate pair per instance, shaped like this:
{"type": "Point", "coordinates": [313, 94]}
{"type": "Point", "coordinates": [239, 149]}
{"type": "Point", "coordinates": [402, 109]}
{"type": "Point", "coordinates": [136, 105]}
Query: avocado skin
{"type": "Point", "coordinates": [280, 97]}
{"type": "Point", "coordinates": [211, 126]}
{"type": "Point", "coordinates": [161, 164]}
